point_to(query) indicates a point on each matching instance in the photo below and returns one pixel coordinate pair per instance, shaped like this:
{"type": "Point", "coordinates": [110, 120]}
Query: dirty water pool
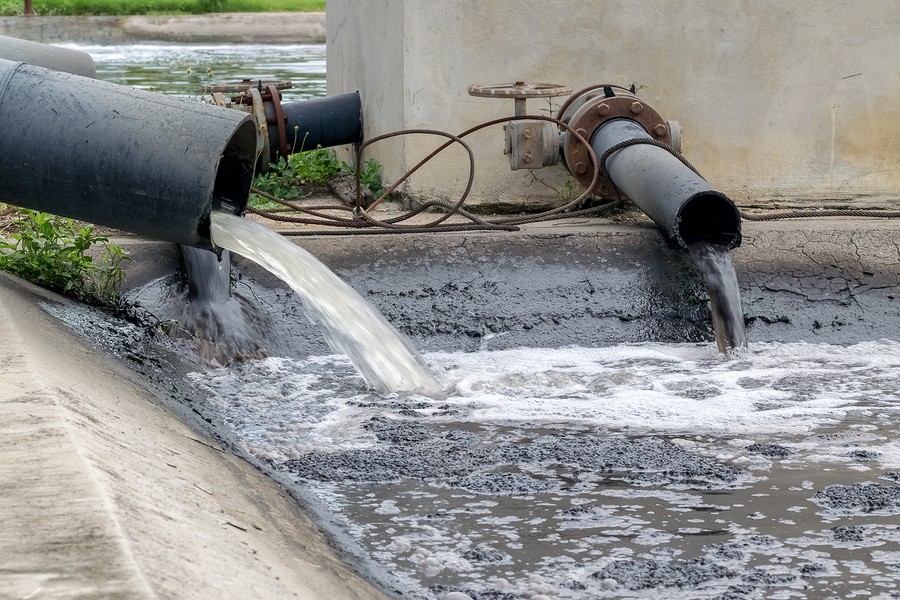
{"type": "Point", "coordinates": [604, 472]}
{"type": "Point", "coordinates": [632, 470]}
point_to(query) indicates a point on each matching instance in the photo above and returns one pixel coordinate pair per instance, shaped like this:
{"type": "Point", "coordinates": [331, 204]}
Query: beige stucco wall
{"type": "Point", "coordinates": [779, 101]}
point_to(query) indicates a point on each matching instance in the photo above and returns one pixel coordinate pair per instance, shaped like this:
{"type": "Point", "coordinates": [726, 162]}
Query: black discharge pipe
{"type": "Point", "coordinates": [45, 55]}
{"type": "Point", "coordinates": [309, 124]}
{"type": "Point", "coordinates": [116, 156]}
{"type": "Point", "coordinates": [681, 202]}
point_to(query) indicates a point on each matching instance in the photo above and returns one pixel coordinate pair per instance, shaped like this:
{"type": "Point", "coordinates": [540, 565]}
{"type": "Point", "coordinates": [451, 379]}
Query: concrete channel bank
{"type": "Point", "coordinates": [105, 493]}
{"type": "Point", "coordinates": [258, 28]}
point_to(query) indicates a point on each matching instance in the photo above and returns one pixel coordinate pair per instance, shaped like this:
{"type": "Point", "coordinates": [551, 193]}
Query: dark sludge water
{"type": "Point", "coordinates": [631, 471]}
{"type": "Point", "coordinates": [628, 471]}
{"type": "Point", "coordinates": [715, 268]}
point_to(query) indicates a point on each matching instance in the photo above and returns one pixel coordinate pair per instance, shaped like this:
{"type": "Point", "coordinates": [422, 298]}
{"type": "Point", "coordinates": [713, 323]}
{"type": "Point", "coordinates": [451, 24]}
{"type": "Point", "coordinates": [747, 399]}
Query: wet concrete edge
{"type": "Point", "coordinates": [106, 493]}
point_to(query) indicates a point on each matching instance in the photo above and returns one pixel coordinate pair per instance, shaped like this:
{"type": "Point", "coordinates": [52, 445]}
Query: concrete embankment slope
{"type": "Point", "coordinates": [257, 28]}
{"type": "Point", "coordinates": [105, 494]}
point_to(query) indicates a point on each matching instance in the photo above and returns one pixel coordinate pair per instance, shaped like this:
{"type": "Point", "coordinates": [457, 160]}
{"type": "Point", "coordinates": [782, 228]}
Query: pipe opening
{"type": "Point", "coordinates": [234, 173]}
{"type": "Point", "coordinates": [709, 216]}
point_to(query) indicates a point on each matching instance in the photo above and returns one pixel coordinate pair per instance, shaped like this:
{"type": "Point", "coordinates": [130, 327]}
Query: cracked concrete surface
{"type": "Point", "coordinates": [835, 280]}
{"type": "Point", "coordinates": [592, 282]}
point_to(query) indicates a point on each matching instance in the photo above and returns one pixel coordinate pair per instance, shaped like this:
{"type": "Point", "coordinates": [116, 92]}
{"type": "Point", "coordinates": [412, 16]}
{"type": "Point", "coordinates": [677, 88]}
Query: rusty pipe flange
{"type": "Point", "coordinates": [611, 104]}
{"type": "Point", "coordinates": [576, 100]}
{"type": "Point", "coordinates": [279, 120]}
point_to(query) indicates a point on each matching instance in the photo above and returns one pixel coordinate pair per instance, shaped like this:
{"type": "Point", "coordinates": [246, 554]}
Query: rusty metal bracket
{"type": "Point", "coordinates": [240, 88]}
{"type": "Point", "coordinates": [258, 110]}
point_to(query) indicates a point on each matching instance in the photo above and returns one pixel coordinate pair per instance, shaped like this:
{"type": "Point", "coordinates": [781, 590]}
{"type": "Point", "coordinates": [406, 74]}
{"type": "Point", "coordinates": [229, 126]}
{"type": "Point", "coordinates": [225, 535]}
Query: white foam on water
{"type": "Point", "coordinates": [778, 388]}
{"type": "Point", "coordinates": [788, 389]}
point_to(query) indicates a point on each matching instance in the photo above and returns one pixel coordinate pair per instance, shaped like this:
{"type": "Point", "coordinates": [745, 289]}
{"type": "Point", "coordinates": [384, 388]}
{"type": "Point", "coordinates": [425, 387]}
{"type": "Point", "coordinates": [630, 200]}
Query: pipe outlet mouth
{"type": "Point", "coordinates": [709, 216]}
{"type": "Point", "coordinates": [234, 172]}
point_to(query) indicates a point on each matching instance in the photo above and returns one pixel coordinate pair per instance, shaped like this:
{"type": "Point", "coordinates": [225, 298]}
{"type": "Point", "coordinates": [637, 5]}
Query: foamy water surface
{"type": "Point", "coordinates": [596, 472]}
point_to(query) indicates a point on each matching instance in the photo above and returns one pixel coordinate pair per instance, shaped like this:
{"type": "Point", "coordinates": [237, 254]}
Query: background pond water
{"type": "Point", "coordinates": [186, 70]}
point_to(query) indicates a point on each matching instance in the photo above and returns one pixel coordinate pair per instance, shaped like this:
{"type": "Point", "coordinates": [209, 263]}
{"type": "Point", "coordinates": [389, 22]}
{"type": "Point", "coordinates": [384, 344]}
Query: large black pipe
{"type": "Point", "coordinates": [681, 202]}
{"type": "Point", "coordinates": [120, 157]}
{"type": "Point", "coordinates": [325, 122]}
{"type": "Point", "coordinates": [69, 60]}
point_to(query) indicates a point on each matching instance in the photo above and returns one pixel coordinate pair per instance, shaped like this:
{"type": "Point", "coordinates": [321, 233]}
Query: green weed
{"type": "Point", "coordinates": [288, 177]}
{"type": "Point", "coordinates": [52, 252]}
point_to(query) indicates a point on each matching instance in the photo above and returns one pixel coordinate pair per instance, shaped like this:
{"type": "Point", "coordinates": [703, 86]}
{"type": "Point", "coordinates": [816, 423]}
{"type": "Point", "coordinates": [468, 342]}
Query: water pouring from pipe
{"type": "Point", "coordinates": [385, 359]}
{"type": "Point", "coordinates": [714, 264]}
{"type": "Point", "coordinates": [639, 156]}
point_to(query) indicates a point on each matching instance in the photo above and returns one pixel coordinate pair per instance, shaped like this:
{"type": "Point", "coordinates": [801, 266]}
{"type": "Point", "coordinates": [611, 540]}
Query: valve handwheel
{"type": "Point", "coordinates": [518, 91]}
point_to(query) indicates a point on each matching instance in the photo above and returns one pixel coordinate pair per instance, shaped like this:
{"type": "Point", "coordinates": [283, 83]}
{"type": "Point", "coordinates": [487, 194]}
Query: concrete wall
{"type": "Point", "coordinates": [781, 102]}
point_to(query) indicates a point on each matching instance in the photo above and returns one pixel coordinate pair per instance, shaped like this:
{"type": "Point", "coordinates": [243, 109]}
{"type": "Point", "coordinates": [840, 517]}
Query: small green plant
{"type": "Point", "coordinates": [52, 252]}
{"type": "Point", "coordinates": [370, 176]}
{"type": "Point", "coordinates": [286, 177]}
{"type": "Point", "coordinates": [280, 181]}
{"type": "Point", "coordinates": [315, 167]}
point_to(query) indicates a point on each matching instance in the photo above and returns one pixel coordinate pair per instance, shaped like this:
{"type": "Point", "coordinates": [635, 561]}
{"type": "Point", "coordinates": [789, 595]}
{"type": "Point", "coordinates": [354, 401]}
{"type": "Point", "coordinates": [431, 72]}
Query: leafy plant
{"type": "Point", "coordinates": [280, 180]}
{"type": "Point", "coordinates": [52, 252]}
{"type": "Point", "coordinates": [370, 176]}
{"type": "Point", "coordinates": [286, 177]}
{"type": "Point", "coordinates": [315, 167]}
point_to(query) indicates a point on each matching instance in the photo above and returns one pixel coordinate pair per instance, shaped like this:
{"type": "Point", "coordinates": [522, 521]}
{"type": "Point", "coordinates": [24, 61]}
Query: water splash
{"type": "Point", "coordinates": [222, 326]}
{"type": "Point", "coordinates": [384, 358]}
{"type": "Point", "coordinates": [717, 272]}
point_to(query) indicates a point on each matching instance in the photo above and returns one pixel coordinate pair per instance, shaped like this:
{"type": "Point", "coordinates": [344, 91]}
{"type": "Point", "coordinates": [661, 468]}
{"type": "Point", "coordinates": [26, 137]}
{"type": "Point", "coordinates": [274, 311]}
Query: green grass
{"type": "Point", "coordinates": [53, 252]}
{"type": "Point", "coordinates": [157, 7]}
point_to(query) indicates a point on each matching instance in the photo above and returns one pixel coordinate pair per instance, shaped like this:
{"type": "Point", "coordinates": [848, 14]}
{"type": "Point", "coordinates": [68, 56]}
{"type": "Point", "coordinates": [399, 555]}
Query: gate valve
{"type": "Point", "coordinates": [529, 144]}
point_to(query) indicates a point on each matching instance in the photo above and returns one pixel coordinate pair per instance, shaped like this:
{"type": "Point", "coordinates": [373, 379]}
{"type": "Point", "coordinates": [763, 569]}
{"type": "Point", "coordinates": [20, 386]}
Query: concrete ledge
{"type": "Point", "coordinates": [103, 493]}
{"type": "Point", "coordinates": [259, 28]}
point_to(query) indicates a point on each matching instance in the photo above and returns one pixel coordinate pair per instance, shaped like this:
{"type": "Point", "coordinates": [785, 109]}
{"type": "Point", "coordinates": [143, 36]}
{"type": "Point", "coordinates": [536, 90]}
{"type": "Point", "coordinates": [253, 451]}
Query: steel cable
{"type": "Point", "coordinates": [361, 220]}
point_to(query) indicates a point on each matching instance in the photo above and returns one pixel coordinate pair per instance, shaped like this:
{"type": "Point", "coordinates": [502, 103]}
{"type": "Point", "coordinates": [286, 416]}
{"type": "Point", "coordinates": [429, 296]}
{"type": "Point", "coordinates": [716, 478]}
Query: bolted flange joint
{"type": "Point", "coordinates": [590, 108]}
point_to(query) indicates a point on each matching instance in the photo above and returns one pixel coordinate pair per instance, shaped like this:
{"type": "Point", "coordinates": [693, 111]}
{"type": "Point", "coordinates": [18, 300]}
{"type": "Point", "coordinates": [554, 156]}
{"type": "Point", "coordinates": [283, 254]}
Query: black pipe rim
{"type": "Point", "coordinates": [709, 216]}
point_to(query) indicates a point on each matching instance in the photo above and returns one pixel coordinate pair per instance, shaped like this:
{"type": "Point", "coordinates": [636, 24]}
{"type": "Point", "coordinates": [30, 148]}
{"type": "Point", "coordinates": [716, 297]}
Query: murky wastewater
{"type": "Point", "coordinates": [717, 273]}
{"type": "Point", "coordinates": [187, 69]}
{"type": "Point", "coordinates": [626, 471]}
